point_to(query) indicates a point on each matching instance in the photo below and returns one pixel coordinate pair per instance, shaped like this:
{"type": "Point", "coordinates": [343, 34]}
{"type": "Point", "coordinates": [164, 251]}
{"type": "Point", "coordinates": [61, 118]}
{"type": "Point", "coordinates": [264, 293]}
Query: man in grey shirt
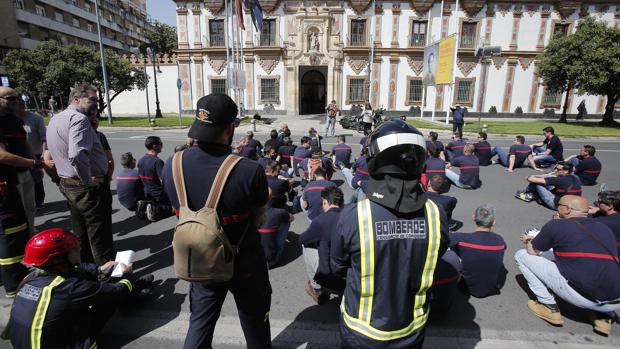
{"type": "Point", "coordinates": [82, 166]}
{"type": "Point", "coordinates": [35, 131]}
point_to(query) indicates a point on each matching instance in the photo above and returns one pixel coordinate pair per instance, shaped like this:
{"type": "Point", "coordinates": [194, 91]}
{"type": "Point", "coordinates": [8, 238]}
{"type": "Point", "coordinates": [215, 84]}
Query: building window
{"type": "Point", "coordinates": [218, 86]}
{"type": "Point", "coordinates": [468, 35]}
{"type": "Point", "coordinates": [19, 4]}
{"type": "Point", "coordinates": [560, 29]}
{"type": "Point", "coordinates": [59, 16]}
{"type": "Point", "coordinates": [552, 99]}
{"type": "Point", "coordinates": [269, 90]}
{"type": "Point", "coordinates": [358, 91]}
{"type": "Point", "coordinates": [464, 92]}
{"type": "Point", "coordinates": [269, 32]}
{"type": "Point", "coordinates": [418, 34]}
{"type": "Point", "coordinates": [216, 33]}
{"type": "Point", "coordinates": [414, 91]}
{"type": "Point", "coordinates": [89, 27]}
{"type": "Point", "coordinates": [358, 32]}
{"type": "Point", "coordinates": [76, 22]}
{"type": "Point", "coordinates": [40, 10]}
{"type": "Point", "coordinates": [87, 7]}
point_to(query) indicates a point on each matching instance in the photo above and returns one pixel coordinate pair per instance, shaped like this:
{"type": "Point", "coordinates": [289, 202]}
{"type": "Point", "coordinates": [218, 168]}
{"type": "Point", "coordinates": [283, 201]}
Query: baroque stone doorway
{"type": "Point", "coordinates": [312, 90]}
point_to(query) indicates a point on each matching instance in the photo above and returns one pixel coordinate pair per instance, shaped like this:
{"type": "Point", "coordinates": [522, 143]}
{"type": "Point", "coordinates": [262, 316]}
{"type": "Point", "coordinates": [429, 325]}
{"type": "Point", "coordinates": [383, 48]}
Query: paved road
{"type": "Point", "coordinates": [161, 321]}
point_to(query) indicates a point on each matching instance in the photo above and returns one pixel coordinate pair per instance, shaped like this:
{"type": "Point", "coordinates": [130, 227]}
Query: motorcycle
{"type": "Point", "coordinates": [352, 122]}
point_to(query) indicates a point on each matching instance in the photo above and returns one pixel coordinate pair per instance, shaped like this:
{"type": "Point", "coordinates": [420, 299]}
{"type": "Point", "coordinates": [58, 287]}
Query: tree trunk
{"type": "Point", "coordinates": [563, 118]}
{"type": "Point", "coordinates": [608, 117]}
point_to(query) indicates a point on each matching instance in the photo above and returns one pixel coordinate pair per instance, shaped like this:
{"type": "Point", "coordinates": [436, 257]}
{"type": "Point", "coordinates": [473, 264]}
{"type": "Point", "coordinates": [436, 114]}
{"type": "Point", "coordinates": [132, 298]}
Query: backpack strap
{"type": "Point", "coordinates": [220, 179]}
{"type": "Point", "coordinates": [179, 178]}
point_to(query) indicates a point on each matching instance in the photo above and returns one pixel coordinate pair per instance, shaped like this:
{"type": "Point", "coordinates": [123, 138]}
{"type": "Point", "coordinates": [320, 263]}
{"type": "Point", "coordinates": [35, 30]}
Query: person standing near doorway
{"type": "Point", "coordinates": [332, 111]}
{"type": "Point", "coordinates": [367, 119]}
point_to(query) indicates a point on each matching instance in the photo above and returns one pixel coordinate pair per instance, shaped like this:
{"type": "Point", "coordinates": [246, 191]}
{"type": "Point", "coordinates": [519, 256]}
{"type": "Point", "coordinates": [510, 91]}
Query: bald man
{"type": "Point", "coordinates": [15, 161]}
{"type": "Point", "coordinates": [585, 273]}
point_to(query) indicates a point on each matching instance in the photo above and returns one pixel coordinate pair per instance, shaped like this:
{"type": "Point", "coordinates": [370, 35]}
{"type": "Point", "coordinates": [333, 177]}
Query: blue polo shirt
{"type": "Point", "coordinates": [456, 147]}
{"type": "Point", "coordinates": [312, 195]}
{"type": "Point", "coordinates": [588, 170]}
{"type": "Point", "coordinates": [342, 153]}
{"type": "Point", "coordinates": [555, 145]}
{"type": "Point", "coordinates": [244, 192]}
{"type": "Point", "coordinates": [129, 188]}
{"type": "Point", "coordinates": [482, 257]}
{"type": "Point", "coordinates": [274, 218]}
{"type": "Point", "coordinates": [613, 223]}
{"type": "Point", "coordinates": [564, 185]}
{"type": "Point", "coordinates": [483, 152]}
{"type": "Point", "coordinates": [470, 170]}
{"type": "Point", "coordinates": [150, 170]}
{"type": "Point", "coordinates": [521, 152]}
{"type": "Point", "coordinates": [286, 153]}
{"type": "Point", "coordinates": [360, 171]}
{"type": "Point", "coordinates": [279, 188]}
{"type": "Point", "coordinates": [582, 260]}
{"type": "Point", "coordinates": [326, 163]}
{"type": "Point", "coordinates": [435, 166]}
{"type": "Point", "coordinates": [300, 154]}
{"type": "Point", "coordinates": [438, 144]}
{"type": "Point", "coordinates": [319, 233]}
{"type": "Point", "coordinates": [448, 203]}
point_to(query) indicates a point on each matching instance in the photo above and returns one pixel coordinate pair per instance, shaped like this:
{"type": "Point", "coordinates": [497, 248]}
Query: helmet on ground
{"type": "Point", "coordinates": [49, 243]}
{"type": "Point", "coordinates": [398, 149]}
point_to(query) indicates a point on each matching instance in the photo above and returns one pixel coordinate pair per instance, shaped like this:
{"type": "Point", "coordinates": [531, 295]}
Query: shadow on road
{"type": "Point", "coordinates": [128, 225]}
{"type": "Point", "coordinates": [292, 250]}
{"type": "Point", "coordinates": [458, 322]}
{"type": "Point", "coordinates": [316, 326]}
{"type": "Point", "coordinates": [159, 248]}
{"type": "Point", "coordinates": [135, 319]}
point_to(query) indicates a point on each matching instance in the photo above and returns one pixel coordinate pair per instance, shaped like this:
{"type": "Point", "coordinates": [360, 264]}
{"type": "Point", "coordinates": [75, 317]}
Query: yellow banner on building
{"type": "Point", "coordinates": [446, 58]}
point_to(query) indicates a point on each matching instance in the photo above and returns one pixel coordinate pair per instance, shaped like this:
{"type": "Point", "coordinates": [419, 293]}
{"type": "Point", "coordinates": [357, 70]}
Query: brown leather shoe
{"type": "Point", "coordinates": [601, 323]}
{"type": "Point", "coordinates": [546, 313]}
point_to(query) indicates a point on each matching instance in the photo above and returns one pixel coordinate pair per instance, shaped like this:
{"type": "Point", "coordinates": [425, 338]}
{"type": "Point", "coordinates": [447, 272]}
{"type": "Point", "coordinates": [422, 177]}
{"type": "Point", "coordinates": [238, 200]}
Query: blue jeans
{"type": "Point", "coordinates": [542, 274]}
{"type": "Point", "coordinates": [545, 160]}
{"type": "Point", "coordinates": [574, 161]}
{"type": "Point", "coordinates": [502, 155]}
{"type": "Point", "coordinates": [454, 178]}
{"type": "Point", "coordinates": [330, 122]}
{"type": "Point", "coordinates": [348, 176]}
{"type": "Point", "coordinates": [544, 193]}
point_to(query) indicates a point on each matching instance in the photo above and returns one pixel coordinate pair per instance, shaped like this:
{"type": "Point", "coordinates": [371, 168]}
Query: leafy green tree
{"type": "Point", "coordinates": [161, 38]}
{"type": "Point", "coordinates": [51, 69]}
{"type": "Point", "coordinates": [588, 60]}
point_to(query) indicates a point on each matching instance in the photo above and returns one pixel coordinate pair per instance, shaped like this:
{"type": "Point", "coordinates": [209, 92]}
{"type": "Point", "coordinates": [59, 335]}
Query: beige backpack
{"type": "Point", "coordinates": [202, 251]}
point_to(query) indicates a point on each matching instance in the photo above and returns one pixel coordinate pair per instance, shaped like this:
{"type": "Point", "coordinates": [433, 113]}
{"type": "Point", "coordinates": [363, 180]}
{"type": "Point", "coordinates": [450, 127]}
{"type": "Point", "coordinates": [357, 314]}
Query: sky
{"type": "Point", "coordinates": [163, 11]}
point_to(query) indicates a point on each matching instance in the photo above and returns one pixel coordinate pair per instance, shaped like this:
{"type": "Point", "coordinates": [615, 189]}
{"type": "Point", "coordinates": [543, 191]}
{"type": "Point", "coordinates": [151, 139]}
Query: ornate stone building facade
{"type": "Point", "coordinates": [310, 52]}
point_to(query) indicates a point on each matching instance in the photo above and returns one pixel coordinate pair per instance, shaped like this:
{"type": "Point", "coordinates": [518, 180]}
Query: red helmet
{"type": "Point", "coordinates": [47, 244]}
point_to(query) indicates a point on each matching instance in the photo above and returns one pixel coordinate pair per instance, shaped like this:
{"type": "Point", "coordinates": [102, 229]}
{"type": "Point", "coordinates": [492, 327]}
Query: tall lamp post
{"type": "Point", "coordinates": [105, 74]}
{"type": "Point", "coordinates": [151, 52]}
{"type": "Point", "coordinates": [148, 108]}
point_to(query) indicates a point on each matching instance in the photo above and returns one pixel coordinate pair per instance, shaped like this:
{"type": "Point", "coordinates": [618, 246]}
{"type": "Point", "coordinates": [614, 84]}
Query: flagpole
{"type": "Point", "coordinates": [424, 87]}
{"type": "Point", "coordinates": [456, 51]}
{"type": "Point", "coordinates": [241, 43]}
{"type": "Point", "coordinates": [226, 31]}
{"type": "Point", "coordinates": [440, 25]}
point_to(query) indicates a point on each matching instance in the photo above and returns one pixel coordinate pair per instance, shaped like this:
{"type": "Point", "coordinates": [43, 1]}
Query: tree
{"type": "Point", "coordinates": [162, 39]}
{"type": "Point", "coordinates": [593, 63]}
{"type": "Point", "coordinates": [52, 70]}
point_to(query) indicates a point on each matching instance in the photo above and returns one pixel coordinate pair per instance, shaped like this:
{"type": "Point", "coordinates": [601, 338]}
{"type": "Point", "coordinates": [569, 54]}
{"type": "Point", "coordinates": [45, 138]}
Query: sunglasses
{"type": "Point", "coordinates": [10, 98]}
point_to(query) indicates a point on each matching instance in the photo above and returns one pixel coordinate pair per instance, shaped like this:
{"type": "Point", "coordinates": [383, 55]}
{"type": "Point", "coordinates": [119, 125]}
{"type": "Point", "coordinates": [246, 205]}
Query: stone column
{"type": "Point", "coordinates": [516, 22]}
{"type": "Point", "coordinates": [375, 84]}
{"type": "Point", "coordinates": [249, 78]}
{"type": "Point", "coordinates": [377, 34]}
{"type": "Point", "coordinates": [534, 94]}
{"type": "Point", "coordinates": [182, 28]}
{"type": "Point", "coordinates": [292, 107]}
{"type": "Point", "coordinates": [186, 85]}
{"type": "Point", "coordinates": [197, 31]}
{"type": "Point", "coordinates": [508, 86]}
{"type": "Point", "coordinates": [395, 23]}
{"type": "Point", "coordinates": [199, 80]}
{"type": "Point", "coordinates": [544, 18]}
{"type": "Point", "coordinates": [394, 61]}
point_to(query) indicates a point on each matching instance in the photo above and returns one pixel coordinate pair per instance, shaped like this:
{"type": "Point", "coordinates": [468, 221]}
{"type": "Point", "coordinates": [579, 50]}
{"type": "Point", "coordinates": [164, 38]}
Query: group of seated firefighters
{"type": "Point", "coordinates": [474, 260]}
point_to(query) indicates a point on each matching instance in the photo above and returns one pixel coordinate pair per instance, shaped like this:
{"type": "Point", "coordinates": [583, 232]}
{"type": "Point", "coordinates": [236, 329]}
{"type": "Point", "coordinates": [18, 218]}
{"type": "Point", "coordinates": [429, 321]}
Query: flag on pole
{"type": "Point", "coordinates": [257, 13]}
{"type": "Point", "coordinates": [240, 15]}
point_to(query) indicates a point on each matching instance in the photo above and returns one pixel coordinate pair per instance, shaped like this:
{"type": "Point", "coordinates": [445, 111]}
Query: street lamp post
{"type": "Point", "coordinates": [157, 110]}
{"type": "Point", "coordinates": [148, 108]}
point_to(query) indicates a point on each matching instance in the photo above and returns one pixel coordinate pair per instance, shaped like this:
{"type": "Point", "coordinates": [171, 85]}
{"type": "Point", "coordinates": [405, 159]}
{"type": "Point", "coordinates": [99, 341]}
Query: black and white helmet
{"type": "Point", "coordinates": [398, 149]}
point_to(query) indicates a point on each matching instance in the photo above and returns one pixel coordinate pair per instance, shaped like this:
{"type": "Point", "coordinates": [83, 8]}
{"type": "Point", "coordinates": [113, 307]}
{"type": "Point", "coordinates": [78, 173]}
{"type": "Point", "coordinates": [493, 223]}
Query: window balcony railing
{"type": "Point", "coordinates": [417, 40]}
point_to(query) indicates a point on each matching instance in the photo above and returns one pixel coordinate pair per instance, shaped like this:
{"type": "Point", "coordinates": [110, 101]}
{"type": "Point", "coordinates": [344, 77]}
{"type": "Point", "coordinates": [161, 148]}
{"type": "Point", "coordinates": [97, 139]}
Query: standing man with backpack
{"type": "Point", "coordinates": [235, 192]}
{"type": "Point", "coordinates": [458, 118]}
{"type": "Point", "coordinates": [332, 111]}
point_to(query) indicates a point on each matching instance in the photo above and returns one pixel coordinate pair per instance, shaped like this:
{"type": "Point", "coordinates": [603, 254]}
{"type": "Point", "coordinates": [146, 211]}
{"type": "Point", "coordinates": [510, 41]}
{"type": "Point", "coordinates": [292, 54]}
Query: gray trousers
{"type": "Point", "coordinates": [25, 187]}
{"type": "Point", "coordinates": [311, 259]}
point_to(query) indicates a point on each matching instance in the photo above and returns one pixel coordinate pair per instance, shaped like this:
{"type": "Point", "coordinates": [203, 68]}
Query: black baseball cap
{"type": "Point", "coordinates": [214, 112]}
